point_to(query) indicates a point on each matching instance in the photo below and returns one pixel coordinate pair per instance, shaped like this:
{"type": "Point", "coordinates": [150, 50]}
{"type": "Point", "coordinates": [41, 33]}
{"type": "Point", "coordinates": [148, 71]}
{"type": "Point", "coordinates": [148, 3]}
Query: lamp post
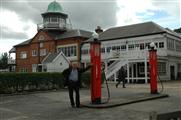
{"type": "Point", "coordinates": [153, 68]}
{"type": "Point", "coordinates": [95, 56]}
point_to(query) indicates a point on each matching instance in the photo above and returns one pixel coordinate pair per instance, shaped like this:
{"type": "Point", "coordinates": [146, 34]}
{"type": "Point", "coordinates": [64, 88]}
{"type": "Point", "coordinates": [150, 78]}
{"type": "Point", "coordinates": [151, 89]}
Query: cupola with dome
{"type": "Point", "coordinates": [54, 18]}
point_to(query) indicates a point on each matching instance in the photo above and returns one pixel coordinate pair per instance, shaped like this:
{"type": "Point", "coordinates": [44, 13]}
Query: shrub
{"type": "Point", "coordinates": [21, 82]}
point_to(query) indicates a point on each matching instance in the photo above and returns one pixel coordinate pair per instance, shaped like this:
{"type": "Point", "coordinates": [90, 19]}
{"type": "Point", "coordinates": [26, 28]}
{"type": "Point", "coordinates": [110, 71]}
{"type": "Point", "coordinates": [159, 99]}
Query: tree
{"type": "Point", "coordinates": [178, 30]}
{"type": "Point", "coordinates": [4, 60]}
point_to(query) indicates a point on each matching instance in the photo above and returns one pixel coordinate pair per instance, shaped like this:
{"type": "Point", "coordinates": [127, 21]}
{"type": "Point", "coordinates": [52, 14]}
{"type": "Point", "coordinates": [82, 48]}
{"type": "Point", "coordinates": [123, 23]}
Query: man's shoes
{"type": "Point", "coordinates": [78, 106]}
{"type": "Point", "coordinates": [73, 106]}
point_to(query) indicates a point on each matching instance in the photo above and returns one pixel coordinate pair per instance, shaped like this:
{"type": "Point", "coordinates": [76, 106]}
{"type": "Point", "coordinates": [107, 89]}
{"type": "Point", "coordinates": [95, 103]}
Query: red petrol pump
{"type": "Point", "coordinates": [95, 57]}
{"type": "Point", "coordinates": [153, 68]}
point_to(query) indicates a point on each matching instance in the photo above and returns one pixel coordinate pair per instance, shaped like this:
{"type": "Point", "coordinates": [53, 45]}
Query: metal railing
{"type": "Point", "coordinates": [114, 67]}
{"type": "Point", "coordinates": [55, 25]}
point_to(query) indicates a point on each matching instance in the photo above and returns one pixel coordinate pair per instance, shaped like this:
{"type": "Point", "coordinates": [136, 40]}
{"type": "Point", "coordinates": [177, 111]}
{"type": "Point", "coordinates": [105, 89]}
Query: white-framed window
{"type": "Point", "coordinates": [69, 51]}
{"type": "Point", "coordinates": [161, 44]}
{"type": "Point", "coordinates": [54, 19]}
{"type": "Point", "coordinates": [47, 20]}
{"type": "Point", "coordinates": [123, 47]}
{"type": "Point", "coordinates": [162, 68]}
{"type": "Point", "coordinates": [108, 49]}
{"type": "Point", "coordinates": [41, 44]}
{"type": "Point", "coordinates": [23, 55]}
{"type": "Point", "coordinates": [43, 52]}
{"type": "Point", "coordinates": [142, 46]}
{"type": "Point", "coordinates": [116, 48]}
{"type": "Point", "coordinates": [131, 47]}
{"type": "Point", "coordinates": [170, 44]}
{"type": "Point", "coordinates": [103, 50]}
{"type": "Point", "coordinates": [85, 51]}
{"type": "Point", "coordinates": [178, 45]}
{"type": "Point", "coordinates": [34, 53]}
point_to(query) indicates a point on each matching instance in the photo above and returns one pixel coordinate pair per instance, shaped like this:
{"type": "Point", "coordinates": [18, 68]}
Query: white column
{"type": "Point", "coordinates": [132, 71]}
{"type": "Point", "coordinates": [127, 54]}
{"type": "Point", "coordinates": [136, 71]}
{"type": "Point", "coordinates": [128, 72]}
{"type": "Point", "coordinates": [146, 77]}
{"type": "Point", "coordinates": [105, 65]}
{"type": "Point", "coordinates": [115, 77]}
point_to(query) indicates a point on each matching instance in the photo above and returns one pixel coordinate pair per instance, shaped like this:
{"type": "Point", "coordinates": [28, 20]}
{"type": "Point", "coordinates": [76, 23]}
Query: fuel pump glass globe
{"type": "Point", "coordinates": [152, 45]}
{"type": "Point", "coordinates": [95, 35]}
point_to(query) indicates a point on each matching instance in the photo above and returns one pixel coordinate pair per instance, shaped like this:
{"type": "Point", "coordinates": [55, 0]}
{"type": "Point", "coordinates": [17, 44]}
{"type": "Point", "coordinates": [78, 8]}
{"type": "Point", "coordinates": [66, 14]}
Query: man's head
{"type": "Point", "coordinates": [74, 65]}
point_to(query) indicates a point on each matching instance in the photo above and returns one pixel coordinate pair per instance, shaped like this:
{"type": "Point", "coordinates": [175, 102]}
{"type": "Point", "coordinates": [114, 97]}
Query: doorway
{"type": "Point", "coordinates": [172, 72]}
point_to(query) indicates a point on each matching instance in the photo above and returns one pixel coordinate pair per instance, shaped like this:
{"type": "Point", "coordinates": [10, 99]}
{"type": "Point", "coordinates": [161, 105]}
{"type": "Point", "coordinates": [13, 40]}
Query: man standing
{"type": "Point", "coordinates": [121, 77]}
{"type": "Point", "coordinates": [73, 81]}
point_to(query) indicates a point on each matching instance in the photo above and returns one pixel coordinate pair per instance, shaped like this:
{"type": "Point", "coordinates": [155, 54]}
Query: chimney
{"type": "Point", "coordinates": [98, 30]}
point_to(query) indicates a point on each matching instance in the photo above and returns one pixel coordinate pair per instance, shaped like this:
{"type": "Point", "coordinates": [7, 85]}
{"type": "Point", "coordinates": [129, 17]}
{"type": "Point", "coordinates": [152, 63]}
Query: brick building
{"type": "Point", "coordinates": [54, 35]}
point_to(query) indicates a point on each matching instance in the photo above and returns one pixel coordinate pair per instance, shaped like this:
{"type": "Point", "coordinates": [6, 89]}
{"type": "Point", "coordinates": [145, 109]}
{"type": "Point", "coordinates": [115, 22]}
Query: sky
{"type": "Point", "coordinates": [19, 18]}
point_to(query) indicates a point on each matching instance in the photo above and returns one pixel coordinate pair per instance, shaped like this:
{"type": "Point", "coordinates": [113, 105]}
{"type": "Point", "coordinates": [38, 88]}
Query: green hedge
{"type": "Point", "coordinates": [21, 82]}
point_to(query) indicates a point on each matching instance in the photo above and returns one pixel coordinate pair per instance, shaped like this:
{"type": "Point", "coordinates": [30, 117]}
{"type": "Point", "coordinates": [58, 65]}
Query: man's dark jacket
{"type": "Point", "coordinates": [67, 72]}
{"type": "Point", "coordinates": [122, 74]}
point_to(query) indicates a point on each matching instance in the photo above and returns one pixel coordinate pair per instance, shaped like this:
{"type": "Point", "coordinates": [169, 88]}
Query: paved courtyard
{"type": "Point", "coordinates": [55, 105]}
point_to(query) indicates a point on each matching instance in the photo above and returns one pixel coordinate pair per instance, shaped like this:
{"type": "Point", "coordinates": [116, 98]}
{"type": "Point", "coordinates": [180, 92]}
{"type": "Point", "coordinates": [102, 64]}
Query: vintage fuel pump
{"type": "Point", "coordinates": [95, 57]}
{"type": "Point", "coordinates": [153, 68]}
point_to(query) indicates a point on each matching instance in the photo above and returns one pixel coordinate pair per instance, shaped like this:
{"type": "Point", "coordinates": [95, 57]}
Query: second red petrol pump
{"type": "Point", "coordinates": [95, 58]}
{"type": "Point", "coordinates": [153, 68]}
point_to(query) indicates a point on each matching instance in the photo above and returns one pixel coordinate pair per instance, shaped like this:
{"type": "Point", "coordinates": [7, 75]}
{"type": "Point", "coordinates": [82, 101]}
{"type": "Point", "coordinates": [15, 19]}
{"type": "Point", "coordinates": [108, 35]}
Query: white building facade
{"type": "Point", "coordinates": [131, 44]}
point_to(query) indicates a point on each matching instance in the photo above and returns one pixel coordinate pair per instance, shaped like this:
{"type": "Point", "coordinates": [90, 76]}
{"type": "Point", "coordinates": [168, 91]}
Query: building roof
{"type": "Point", "coordinates": [24, 43]}
{"type": "Point", "coordinates": [74, 33]}
{"type": "Point", "coordinates": [58, 35]}
{"type": "Point", "coordinates": [50, 57]}
{"type": "Point", "coordinates": [13, 50]}
{"type": "Point", "coordinates": [135, 30]}
{"type": "Point", "coordinates": [54, 7]}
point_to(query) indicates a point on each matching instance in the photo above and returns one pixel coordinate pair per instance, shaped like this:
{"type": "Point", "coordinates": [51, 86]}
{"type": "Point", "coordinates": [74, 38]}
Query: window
{"type": "Point", "coordinates": [116, 48]}
{"type": "Point", "coordinates": [108, 49]}
{"type": "Point", "coordinates": [137, 46]}
{"type": "Point", "coordinates": [103, 50]}
{"type": "Point", "coordinates": [54, 19]}
{"type": "Point", "coordinates": [47, 20]}
{"type": "Point", "coordinates": [178, 45]}
{"type": "Point", "coordinates": [23, 55]}
{"type": "Point", "coordinates": [123, 47]}
{"type": "Point", "coordinates": [131, 47]}
{"type": "Point", "coordinates": [170, 44]}
{"type": "Point", "coordinates": [34, 53]}
{"type": "Point", "coordinates": [162, 68]}
{"type": "Point", "coordinates": [147, 45]}
{"type": "Point", "coordinates": [43, 52]}
{"type": "Point", "coordinates": [142, 46]}
{"type": "Point", "coordinates": [161, 44]}
{"type": "Point", "coordinates": [85, 51]}
{"type": "Point", "coordinates": [69, 51]}
{"type": "Point", "coordinates": [41, 45]}
{"type": "Point", "coordinates": [156, 44]}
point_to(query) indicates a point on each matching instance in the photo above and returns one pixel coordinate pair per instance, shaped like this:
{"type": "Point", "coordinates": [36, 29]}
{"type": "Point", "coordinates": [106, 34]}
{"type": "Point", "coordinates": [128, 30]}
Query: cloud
{"type": "Point", "coordinates": [88, 15]}
{"type": "Point", "coordinates": [12, 23]}
{"type": "Point", "coordinates": [136, 11]}
{"type": "Point", "coordinates": [7, 33]}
